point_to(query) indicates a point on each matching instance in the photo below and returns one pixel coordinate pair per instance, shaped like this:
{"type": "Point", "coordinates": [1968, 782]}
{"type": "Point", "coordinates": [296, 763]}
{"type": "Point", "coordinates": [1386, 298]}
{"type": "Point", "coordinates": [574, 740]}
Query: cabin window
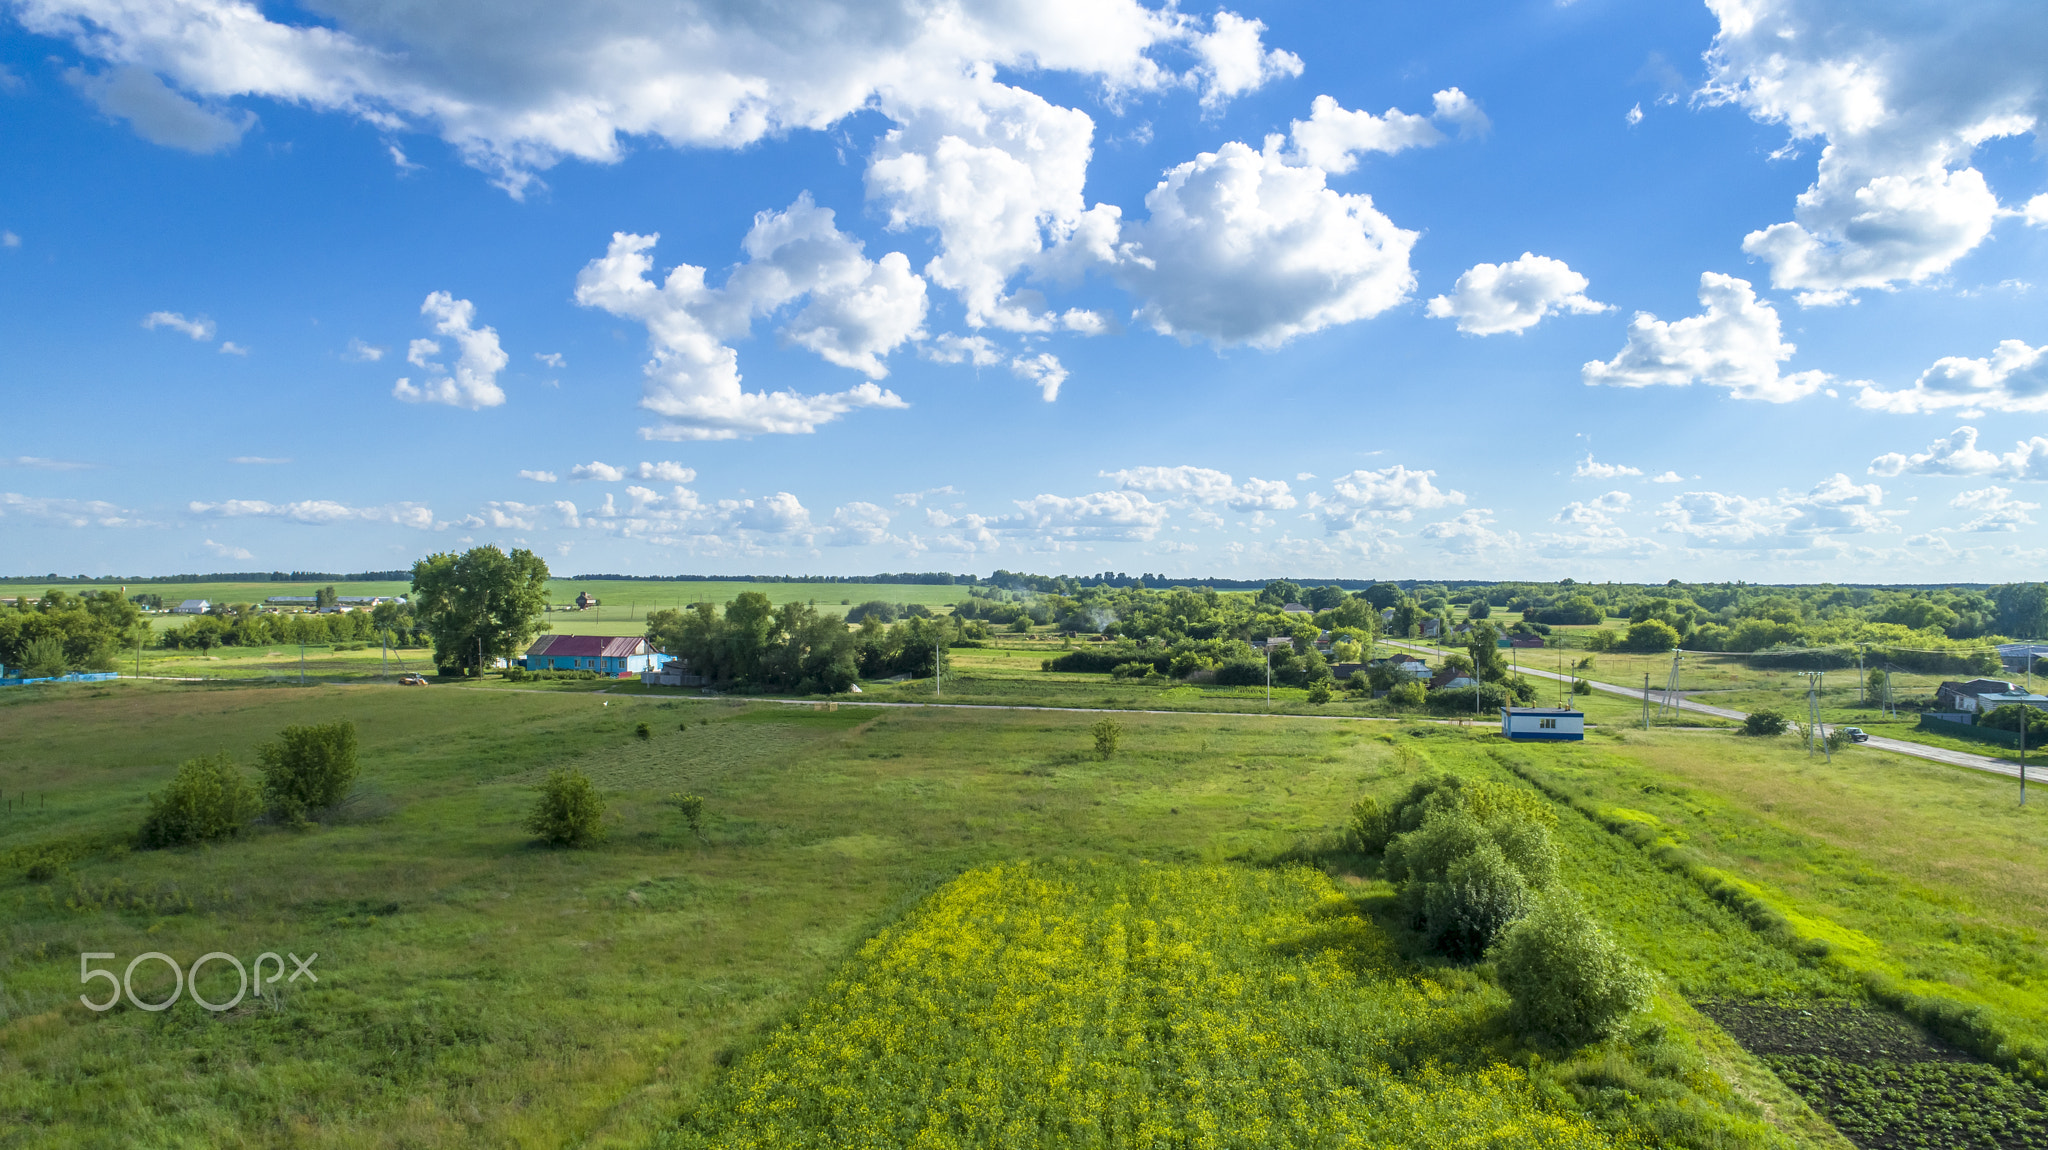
{"type": "Point", "coordinates": [1547, 724]}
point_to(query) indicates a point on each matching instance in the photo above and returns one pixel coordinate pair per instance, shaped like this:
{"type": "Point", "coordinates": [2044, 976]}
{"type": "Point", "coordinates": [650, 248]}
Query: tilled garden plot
{"type": "Point", "coordinates": [1886, 1084]}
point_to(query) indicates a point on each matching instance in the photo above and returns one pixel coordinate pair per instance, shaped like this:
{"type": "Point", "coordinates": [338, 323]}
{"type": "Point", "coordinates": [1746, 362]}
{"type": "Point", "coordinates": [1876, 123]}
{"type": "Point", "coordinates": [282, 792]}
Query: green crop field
{"type": "Point", "coordinates": [866, 879]}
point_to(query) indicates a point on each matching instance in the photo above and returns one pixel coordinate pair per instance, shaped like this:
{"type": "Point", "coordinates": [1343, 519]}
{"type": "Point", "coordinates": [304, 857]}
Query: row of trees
{"type": "Point", "coordinates": [61, 632]}
{"type": "Point", "coordinates": [242, 625]}
{"type": "Point", "coordinates": [753, 643]}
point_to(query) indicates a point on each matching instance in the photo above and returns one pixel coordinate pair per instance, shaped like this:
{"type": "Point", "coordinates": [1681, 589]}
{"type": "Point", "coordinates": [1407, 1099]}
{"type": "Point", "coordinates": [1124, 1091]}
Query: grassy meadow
{"type": "Point", "coordinates": [477, 989]}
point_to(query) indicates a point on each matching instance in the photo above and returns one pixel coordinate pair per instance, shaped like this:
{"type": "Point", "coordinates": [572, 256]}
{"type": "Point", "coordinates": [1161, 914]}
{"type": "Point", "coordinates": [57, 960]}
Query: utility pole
{"type": "Point", "coordinates": [1671, 687]}
{"type": "Point", "coordinates": [2023, 749]}
{"type": "Point", "coordinates": [936, 668]}
{"type": "Point", "coordinates": [1816, 732]}
{"type": "Point", "coordinates": [1646, 700]}
{"type": "Point", "coordinates": [1269, 672]}
{"type": "Point", "coordinates": [1861, 695]}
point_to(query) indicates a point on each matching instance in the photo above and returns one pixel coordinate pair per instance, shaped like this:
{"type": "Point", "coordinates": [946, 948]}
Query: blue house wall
{"type": "Point", "coordinates": [603, 665]}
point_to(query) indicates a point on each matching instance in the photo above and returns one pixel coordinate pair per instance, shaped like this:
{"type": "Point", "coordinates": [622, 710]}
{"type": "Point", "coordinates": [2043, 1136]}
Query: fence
{"type": "Point", "coordinates": [1955, 730]}
{"type": "Point", "coordinates": [88, 677]}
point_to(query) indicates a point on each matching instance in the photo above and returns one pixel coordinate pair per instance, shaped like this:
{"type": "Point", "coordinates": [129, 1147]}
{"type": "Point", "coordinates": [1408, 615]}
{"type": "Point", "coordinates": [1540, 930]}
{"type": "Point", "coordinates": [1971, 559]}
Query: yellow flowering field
{"type": "Point", "coordinates": [1135, 1005]}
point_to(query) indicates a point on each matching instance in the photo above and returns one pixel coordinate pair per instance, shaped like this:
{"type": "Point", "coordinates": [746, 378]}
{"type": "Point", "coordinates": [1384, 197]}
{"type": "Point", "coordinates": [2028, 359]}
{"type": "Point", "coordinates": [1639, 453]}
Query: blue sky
{"type": "Point", "coordinates": [1609, 290]}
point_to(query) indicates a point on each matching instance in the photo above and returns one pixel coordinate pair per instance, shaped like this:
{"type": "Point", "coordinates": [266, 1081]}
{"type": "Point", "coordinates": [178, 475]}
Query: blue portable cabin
{"type": "Point", "coordinates": [1543, 724]}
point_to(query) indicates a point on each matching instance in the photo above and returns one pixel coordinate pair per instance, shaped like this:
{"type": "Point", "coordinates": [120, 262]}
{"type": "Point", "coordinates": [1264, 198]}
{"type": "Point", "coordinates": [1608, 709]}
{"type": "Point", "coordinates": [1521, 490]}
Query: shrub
{"type": "Point", "coordinates": [1369, 829]}
{"type": "Point", "coordinates": [568, 812]}
{"type": "Point", "coordinates": [1764, 723]}
{"type": "Point", "coordinates": [308, 768]}
{"type": "Point", "coordinates": [1602, 640]}
{"type": "Point", "coordinates": [873, 608]}
{"type": "Point", "coordinates": [43, 658]}
{"type": "Point", "coordinates": [1242, 673]}
{"type": "Point", "coordinates": [207, 800]}
{"type": "Point", "coordinates": [644, 731]}
{"type": "Point", "coordinates": [1650, 637]}
{"type": "Point", "coordinates": [1567, 980]}
{"type": "Point", "coordinates": [692, 808]}
{"type": "Point", "coordinates": [1108, 732]}
{"type": "Point", "coordinates": [1406, 695]}
{"type": "Point", "coordinates": [1581, 687]}
{"type": "Point", "coordinates": [1187, 663]}
{"type": "Point", "coordinates": [1320, 693]}
{"type": "Point", "coordinates": [1133, 670]}
{"type": "Point", "coordinates": [1480, 894]}
{"type": "Point", "coordinates": [1458, 700]}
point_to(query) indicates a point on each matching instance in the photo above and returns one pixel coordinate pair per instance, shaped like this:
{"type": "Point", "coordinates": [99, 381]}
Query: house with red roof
{"type": "Point", "coordinates": [608, 655]}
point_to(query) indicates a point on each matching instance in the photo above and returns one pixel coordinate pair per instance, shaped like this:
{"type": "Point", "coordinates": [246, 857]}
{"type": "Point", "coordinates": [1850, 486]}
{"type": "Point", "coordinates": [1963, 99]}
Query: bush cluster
{"type": "Point", "coordinates": [1764, 724]}
{"type": "Point", "coordinates": [1567, 979]}
{"type": "Point", "coordinates": [208, 799]}
{"type": "Point", "coordinates": [308, 769]}
{"type": "Point", "coordinates": [1468, 857]}
{"type": "Point", "coordinates": [1477, 874]}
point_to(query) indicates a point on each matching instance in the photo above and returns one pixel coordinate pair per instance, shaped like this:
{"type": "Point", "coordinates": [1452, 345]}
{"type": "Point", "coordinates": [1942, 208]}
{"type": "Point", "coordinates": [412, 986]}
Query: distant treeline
{"type": "Point", "coordinates": [927, 578]}
{"type": "Point", "coordinates": [226, 577]}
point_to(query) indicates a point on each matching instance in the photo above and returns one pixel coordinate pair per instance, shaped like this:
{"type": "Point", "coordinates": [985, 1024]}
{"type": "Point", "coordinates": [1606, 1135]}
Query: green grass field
{"type": "Point", "coordinates": [478, 990]}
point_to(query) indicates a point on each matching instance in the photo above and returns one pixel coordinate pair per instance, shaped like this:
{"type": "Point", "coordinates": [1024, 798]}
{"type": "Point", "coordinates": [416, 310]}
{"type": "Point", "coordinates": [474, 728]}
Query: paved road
{"type": "Point", "coordinates": [1896, 746]}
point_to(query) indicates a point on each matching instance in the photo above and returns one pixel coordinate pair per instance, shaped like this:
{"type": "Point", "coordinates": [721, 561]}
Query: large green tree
{"type": "Point", "coordinates": [482, 603]}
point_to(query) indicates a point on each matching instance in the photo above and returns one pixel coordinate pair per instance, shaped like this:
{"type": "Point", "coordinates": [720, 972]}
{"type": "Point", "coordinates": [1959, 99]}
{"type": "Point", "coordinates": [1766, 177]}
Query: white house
{"type": "Point", "coordinates": [191, 607]}
{"type": "Point", "coordinates": [1978, 696]}
{"type": "Point", "coordinates": [1547, 724]}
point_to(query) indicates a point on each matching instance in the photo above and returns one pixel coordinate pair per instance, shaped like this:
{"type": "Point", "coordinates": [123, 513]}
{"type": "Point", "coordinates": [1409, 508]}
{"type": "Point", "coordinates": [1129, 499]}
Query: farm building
{"type": "Point", "coordinates": [1542, 723]}
{"type": "Point", "coordinates": [1408, 665]}
{"type": "Point", "coordinates": [1982, 695]}
{"type": "Point", "coordinates": [605, 654]}
{"type": "Point", "coordinates": [191, 607]}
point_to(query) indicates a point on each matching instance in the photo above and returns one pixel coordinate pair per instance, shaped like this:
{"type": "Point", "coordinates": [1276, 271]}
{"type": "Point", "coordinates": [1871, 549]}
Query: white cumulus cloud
{"type": "Point", "coordinates": [1958, 454]}
{"type": "Point", "coordinates": [2013, 378]}
{"type": "Point", "coordinates": [1902, 97]}
{"type": "Point", "coordinates": [1105, 515]}
{"type": "Point", "coordinates": [1242, 247]}
{"type": "Point", "coordinates": [1333, 136]}
{"type": "Point", "coordinates": [158, 113]}
{"type": "Point", "coordinates": [539, 476]}
{"type": "Point", "coordinates": [1996, 510]}
{"type": "Point", "coordinates": [1736, 343]}
{"type": "Point", "coordinates": [199, 328]}
{"type": "Point", "coordinates": [857, 311]}
{"type": "Point", "coordinates": [1043, 370]}
{"type": "Point", "coordinates": [474, 382]}
{"type": "Point", "coordinates": [599, 470]}
{"type": "Point", "coordinates": [978, 350]}
{"type": "Point", "coordinates": [228, 551]}
{"type": "Point", "coordinates": [1204, 486]}
{"type": "Point", "coordinates": [1515, 296]}
{"type": "Point", "coordinates": [516, 95]}
{"type": "Point", "coordinates": [1835, 506]}
{"type": "Point", "coordinates": [316, 512]}
{"type": "Point", "coordinates": [1587, 468]}
{"type": "Point", "coordinates": [69, 512]}
{"type": "Point", "coordinates": [1389, 493]}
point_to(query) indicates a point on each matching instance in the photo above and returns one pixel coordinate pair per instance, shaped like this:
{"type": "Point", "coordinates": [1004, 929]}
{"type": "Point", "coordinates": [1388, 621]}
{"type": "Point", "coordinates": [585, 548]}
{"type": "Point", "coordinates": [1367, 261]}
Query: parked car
{"type": "Point", "coordinates": [1856, 734]}
{"type": "Point", "coordinates": [412, 681]}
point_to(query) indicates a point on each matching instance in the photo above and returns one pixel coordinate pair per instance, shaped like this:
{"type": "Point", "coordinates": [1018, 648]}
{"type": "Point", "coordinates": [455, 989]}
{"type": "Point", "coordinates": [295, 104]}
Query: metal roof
{"type": "Point", "coordinates": [588, 646]}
